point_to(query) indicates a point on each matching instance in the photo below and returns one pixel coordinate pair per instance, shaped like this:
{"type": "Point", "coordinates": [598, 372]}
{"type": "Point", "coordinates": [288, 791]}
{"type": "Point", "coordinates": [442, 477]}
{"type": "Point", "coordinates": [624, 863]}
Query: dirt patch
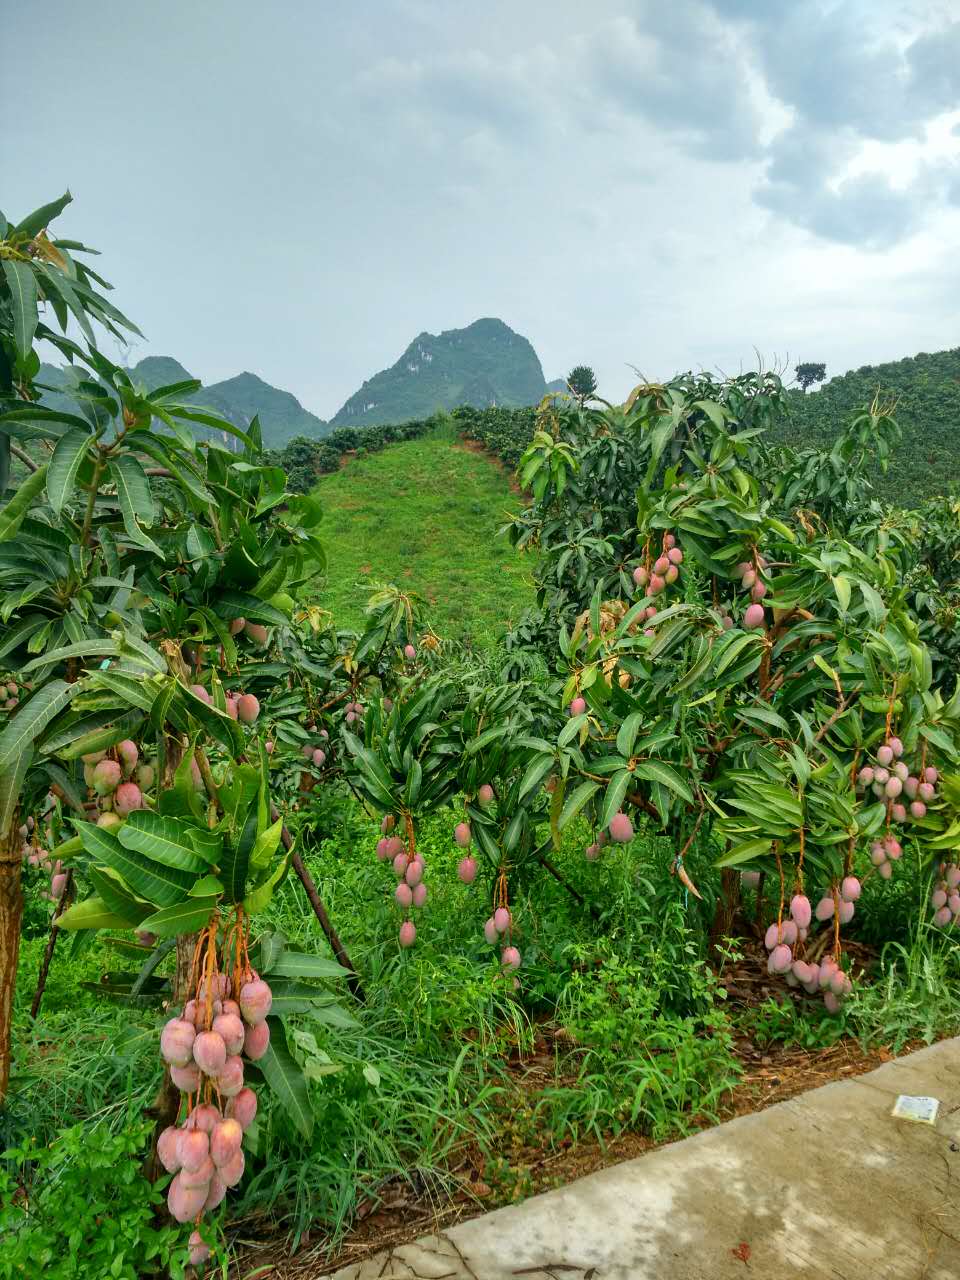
{"type": "Point", "coordinates": [466, 445]}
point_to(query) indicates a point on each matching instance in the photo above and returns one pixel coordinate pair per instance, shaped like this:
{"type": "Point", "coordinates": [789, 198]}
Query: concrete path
{"type": "Point", "coordinates": [827, 1185]}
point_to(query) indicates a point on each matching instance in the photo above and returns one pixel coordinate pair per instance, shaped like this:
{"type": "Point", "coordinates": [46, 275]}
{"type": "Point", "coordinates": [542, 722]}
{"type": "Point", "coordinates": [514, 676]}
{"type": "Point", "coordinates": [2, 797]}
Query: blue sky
{"type": "Point", "coordinates": [300, 189]}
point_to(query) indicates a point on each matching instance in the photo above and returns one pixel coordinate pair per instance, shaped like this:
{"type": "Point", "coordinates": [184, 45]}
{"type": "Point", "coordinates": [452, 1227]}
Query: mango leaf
{"type": "Point", "coordinates": [745, 852]}
{"type": "Point", "coordinates": [207, 887]}
{"type": "Point", "coordinates": [271, 949]}
{"type": "Point", "coordinates": [30, 719]}
{"type": "Point", "coordinates": [657, 771]}
{"type": "Point", "coordinates": [184, 917]}
{"type": "Point", "coordinates": [334, 1015]}
{"type": "Point", "coordinates": [258, 898]}
{"type": "Point", "coordinates": [164, 839]}
{"type": "Point", "coordinates": [284, 1076]}
{"type": "Point", "coordinates": [265, 846]}
{"type": "Point", "coordinates": [537, 770]}
{"type": "Point", "coordinates": [62, 469]}
{"type": "Point", "coordinates": [235, 859]}
{"type": "Point", "coordinates": [13, 514]}
{"type": "Point", "coordinates": [11, 780]}
{"type": "Point", "coordinates": [613, 797]}
{"type": "Point", "coordinates": [92, 913]}
{"type": "Point", "coordinates": [576, 801]}
{"type": "Point", "coordinates": [41, 218]}
{"type": "Point", "coordinates": [158, 884]}
{"type": "Point", "coordinates": [135, 498]}
{"type": "Point", "coordinates": [23, 300]}
{"type": "Point", "coordinates": [300, 964]}
{"type": "Point", "coordinates": [117, 896]}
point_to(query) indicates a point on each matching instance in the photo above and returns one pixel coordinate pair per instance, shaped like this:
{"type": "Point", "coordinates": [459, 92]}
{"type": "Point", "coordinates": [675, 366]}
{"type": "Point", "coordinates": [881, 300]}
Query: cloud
{"type": "Point", "coordinates": [852, 76]}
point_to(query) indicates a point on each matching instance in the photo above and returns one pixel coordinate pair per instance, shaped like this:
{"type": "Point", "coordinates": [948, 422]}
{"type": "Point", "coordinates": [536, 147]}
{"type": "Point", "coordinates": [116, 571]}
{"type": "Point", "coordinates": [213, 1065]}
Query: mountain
{"type": "Point", "coordinates": [926, 392]}
{"type": "Point", "coordinates": [558, 384]}
{"type": "Point", "coordinates": [237, 399]}
{"type": "Point", "coordinates": [484, 364]}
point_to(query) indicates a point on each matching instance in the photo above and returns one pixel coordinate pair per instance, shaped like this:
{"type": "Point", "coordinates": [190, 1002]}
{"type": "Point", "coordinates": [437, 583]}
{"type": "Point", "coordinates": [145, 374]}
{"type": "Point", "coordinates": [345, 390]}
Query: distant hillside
{"type": "Point", "coordinates": [238, 399]}
{"type": "Point", "coordinates": [927, 392]}
{"type": "Point", "coordinates": [484, 364]}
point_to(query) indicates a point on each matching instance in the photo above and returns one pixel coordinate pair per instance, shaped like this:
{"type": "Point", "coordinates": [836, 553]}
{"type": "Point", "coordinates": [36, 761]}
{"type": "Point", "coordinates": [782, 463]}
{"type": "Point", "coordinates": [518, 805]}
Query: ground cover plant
{"type": "Point", "coordinates": [307, 910]}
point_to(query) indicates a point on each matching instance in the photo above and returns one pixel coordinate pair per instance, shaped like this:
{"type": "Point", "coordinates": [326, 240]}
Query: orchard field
{"type": "Point", "coordinates": [362, 868]}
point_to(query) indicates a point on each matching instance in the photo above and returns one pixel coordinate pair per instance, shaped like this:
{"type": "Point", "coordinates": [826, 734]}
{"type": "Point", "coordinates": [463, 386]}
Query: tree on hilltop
{"type": "Point", "coordinates": [810, 372]}
{"type": "Point", "coordinates": [582, 382]}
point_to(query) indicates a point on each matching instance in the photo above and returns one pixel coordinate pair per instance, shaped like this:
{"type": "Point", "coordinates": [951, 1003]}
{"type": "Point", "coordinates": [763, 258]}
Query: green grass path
{"type": "Point", "coordinates": [424, 515]}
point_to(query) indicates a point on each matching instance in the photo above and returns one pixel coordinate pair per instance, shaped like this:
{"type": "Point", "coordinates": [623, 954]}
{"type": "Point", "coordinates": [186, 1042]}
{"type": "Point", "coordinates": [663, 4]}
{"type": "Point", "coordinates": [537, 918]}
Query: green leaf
{"type": "Point", "coordinates": [284, 1076]}
{"type": "Point", "coordinates": [235, 860]}
{"type": "Point", "coordinates": [161, 885]}
{"type": "Point", "coordinates": [92, 913]}
{"type": "Point", "coordinates": [714, 411]}
{"type": "Point", "coordinates": [11, 780]}
{"type": "Point", "coordinates": [13, 514]}
{"type": "Point", "coordinates": [41, 218]}
{"type": "Point", "coordinates": [22, 284]}
{"type": "Point", "coordinates": [657, 771]}
{"type": "Point", "coordinates": [613, 798]}
{"type": "Point", "coordinates": [842, 587]}
{"type": "Point", "coordinates": [166, 840]}
{"type": "Point", "coordinates": [135, 498]}
{"type": "Point", "coordinates": [627, 735]}
{"type": "Point", "coordinates": [334, 1015]}
{"type": "Point", "coordinates": [83, 649]}
{"type": "Point", "coordinates": [299, 964]}
{"type": "Point", "coordinates": [265, 845]}
{"type": "Point", "coordinates": [537, 770]}
{"type": "Point", "coordinates": [184, 917]}
{"type": "Point", "coordinates": [207, 887]}
{"type": "Point", "coordinates": [258, 898]}
{"type": "Point", "coordinates": [576, 801]}
{"type": "Point", "coordinates": [70, 451]}
{"type": "Point", "coordinates": [30, 719]}
{"type": "Point", "coordinates": [118, 898]}
{"type": "Point", "coordinates": [572, 728]}
{"type": "Point", "coordinates": [874, 602]}
{"type": "Point", "coordinates": [745, 852]}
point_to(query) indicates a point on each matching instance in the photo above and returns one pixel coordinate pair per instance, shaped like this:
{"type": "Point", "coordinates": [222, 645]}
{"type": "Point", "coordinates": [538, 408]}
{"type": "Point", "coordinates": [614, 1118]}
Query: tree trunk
{"type": "Point", "coordinates": [728, 904]}
{"type": "Point", "coordinates": [11, 915]}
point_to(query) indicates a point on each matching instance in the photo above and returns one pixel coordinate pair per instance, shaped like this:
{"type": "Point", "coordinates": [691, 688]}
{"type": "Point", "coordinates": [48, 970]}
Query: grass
{"type": "Point", "coordinates": [423, 514]}
{"type": "Point", "coordinates": [629, 1028]}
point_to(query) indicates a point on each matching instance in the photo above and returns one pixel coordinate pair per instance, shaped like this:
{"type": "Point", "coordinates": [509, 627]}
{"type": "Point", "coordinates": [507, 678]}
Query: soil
{"type": "Point", "coordinates": [408, 1208]}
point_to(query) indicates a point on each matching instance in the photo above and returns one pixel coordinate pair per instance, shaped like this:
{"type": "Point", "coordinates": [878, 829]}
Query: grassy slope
{"type": "Point", "coordinates": [423, 514]}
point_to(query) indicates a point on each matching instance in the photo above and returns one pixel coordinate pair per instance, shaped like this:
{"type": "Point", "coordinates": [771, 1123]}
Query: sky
{"type": "Point", "coordinates": [300, 189]}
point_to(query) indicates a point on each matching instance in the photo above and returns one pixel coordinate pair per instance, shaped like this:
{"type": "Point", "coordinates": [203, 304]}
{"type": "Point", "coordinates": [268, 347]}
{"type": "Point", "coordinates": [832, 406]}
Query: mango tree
{"type": "Point", "coordinates": [741, 672]}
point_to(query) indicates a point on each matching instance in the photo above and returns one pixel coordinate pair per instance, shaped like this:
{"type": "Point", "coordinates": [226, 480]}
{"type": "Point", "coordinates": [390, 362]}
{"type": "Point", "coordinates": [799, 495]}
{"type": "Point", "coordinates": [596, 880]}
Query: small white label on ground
{"type": "Point", "coordinates": [922, 1110]}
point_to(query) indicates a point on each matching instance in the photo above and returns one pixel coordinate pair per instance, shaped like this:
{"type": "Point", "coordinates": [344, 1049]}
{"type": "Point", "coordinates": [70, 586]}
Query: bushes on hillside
{"type": "Point", "coordinates": [304, 460]}
{"type": "Point", "coordinates": [505, 432]}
